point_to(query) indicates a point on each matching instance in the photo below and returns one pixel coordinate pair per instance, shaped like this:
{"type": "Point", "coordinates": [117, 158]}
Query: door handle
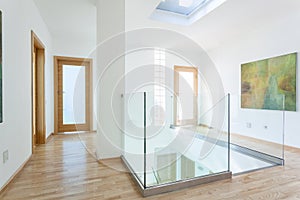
{"type": "Point", "coordinates": [61, 92]}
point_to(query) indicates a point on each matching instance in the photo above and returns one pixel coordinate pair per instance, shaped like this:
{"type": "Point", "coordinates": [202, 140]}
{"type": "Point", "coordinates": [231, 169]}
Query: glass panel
{"type": "Point", "coordinates": [1, 78]}
{"type": "Point", "coordinates": [74, 95]}
{"type": "Point", "coordinates": [134, 133]}
{"type": "Point", "coordinates": [175, 154]}
{"type": "Point", "coordinates": [261, 130]}
{"type": "Point", "coordinates": [171, 154]}
{"type": "Point", "coordinates": [184, 7]}
{"type": "Point", "coordinates": [211, 143]}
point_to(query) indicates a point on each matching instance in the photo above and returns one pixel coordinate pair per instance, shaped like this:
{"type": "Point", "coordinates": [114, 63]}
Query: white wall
{"type": "Point", "coordinates": [139, 70]}
{"type": "Point", "coordinates": [244, 35]}
{"type": "Point", "coordinates": [184, 40]}
{"type": "Point", "coordinates": [110, 22]}
{"type": "Point", "coordinates": [19, 18]}
{"type": "Point", "coordinates": [138, 61]}
{"type": "Point", "coordinates": [228, 55]}
{"type": "Point", "coordinates": [277, 38]}
{"type": "Point", "coordinates": [66, 45]}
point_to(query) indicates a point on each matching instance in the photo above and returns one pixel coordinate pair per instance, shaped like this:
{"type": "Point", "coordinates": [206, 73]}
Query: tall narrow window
{"type": "Point", "coordinates": [159, 89]}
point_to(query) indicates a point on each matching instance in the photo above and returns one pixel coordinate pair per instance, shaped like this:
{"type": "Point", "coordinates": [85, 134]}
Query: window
{"type": "Point", "coordinates": [159, 89]}
{"type": "Point", "coordinates": [184, 12]}
{"type": "Point", "coordinates": [183, 7]}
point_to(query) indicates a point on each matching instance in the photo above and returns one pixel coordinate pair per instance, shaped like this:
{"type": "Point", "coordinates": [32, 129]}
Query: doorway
{"type": "Point", "coordinates": [38, 91]}
{"type": "Point", "coordinates": [73, 94]}
{"type": "Point", "coordinates": [186, 95]}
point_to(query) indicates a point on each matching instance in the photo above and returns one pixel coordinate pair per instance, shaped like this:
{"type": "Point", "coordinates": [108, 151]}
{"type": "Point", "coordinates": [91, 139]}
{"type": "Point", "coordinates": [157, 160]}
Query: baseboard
{"type": "Point", "coordinates": [49, 137]}
{"type": "Point", "coordinates": [108, 159]}
{"type": "Point", "coordinates": [112, 163]}
{"type": "Point", "coordinates": [73, 132]}
{"type": "Point", "coordinates": [4, 187]}
{"type": "Point", "coordinates": [292, 148]}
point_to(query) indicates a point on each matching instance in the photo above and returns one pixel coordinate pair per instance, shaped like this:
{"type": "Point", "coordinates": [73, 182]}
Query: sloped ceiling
{"type": "Point", "coordinates": [77, 18]}
{"type": "Point", "coordinates": [232, 19]}
{"type": "Point", "coordinates": [71, 18]}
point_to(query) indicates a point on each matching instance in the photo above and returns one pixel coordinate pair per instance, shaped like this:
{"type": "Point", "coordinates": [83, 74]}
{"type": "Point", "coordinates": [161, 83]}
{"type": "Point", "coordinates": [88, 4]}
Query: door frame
{"type": "Point", "coordinates": [194, 70]}
{"type": "Point", "coordinates": [38, 92]}
{"type": "Point", "coordinates": [88, 63]}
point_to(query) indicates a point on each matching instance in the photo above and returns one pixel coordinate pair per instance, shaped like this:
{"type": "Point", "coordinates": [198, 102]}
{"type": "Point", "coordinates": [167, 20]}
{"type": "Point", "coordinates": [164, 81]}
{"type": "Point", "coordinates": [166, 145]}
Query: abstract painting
{"type": "Point", "coordinates": [1, 90]}
{"type": "Point", "coordinates": [270, 84]}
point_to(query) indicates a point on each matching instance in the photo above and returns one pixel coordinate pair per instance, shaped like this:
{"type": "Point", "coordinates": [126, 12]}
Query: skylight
{"type": "Point", "coordinates": [183, 7]}
{"type": "Point", "coordinates": [184, 12]}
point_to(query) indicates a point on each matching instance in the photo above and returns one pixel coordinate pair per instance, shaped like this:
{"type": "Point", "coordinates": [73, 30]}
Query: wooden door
{"type": "Point", "coordinates": [38, 91]}
{"type": "Point", "coordinates": [73, 100]}
{"type": "Point", "coordinates": [34, 98]}
{"type": "Point", "coordinates": [186, 95]}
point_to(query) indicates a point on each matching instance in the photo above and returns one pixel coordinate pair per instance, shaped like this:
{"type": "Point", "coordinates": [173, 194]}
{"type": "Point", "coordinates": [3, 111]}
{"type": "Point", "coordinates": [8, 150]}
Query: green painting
{"type": "Point", "coordinates": [270, 84]}
{"type": "Point", "coordinates": [1, 90]}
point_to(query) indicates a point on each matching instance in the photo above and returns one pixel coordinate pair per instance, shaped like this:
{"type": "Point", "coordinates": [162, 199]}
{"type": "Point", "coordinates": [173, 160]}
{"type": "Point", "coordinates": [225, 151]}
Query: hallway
{"type": "Point", "coordinates": [64, 169]}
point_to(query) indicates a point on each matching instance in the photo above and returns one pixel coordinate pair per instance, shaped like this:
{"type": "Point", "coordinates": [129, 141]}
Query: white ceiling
{"type": "Point", "coordinates": [232, 19]}
{"type": "Point", "coordinates": [75, 19]}
{"type": "Point", "coordinates": [237, 18]}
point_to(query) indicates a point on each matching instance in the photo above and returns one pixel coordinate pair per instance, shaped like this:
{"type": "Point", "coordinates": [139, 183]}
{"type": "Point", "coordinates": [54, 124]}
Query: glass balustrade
{"type": "Point", "coordinates": [161, 153]}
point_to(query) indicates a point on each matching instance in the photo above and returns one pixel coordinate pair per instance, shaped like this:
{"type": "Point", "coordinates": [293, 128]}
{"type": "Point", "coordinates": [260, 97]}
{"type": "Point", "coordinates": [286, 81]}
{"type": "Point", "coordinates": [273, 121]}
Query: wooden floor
{"type": "Point", "coordinates": [64, 169]}
{"type": "Point", "coordinates": [270, 148]}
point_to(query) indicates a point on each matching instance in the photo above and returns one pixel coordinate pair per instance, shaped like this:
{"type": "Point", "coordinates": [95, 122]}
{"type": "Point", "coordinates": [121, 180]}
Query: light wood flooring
{"type": "Point", "coordinates": [64, 169]}
{"type": "Point", "coordinates": [270, 148]}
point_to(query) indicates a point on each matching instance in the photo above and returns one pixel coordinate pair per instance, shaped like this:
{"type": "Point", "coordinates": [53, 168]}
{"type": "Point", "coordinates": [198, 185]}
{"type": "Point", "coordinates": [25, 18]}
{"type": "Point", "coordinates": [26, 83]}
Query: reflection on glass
{"type": "Point", "coordinates": [159, 154]}
{"type": "Point", "coordinates": [172, 167]}
{"type": "Point", "coordinates": [134, 133]}
{"type": "Point", "coordinates": [74, 94]}
{"type": "Point", "coordinates": [181, 153]}
{"type": "Point", "coordinates": [261, 130]}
